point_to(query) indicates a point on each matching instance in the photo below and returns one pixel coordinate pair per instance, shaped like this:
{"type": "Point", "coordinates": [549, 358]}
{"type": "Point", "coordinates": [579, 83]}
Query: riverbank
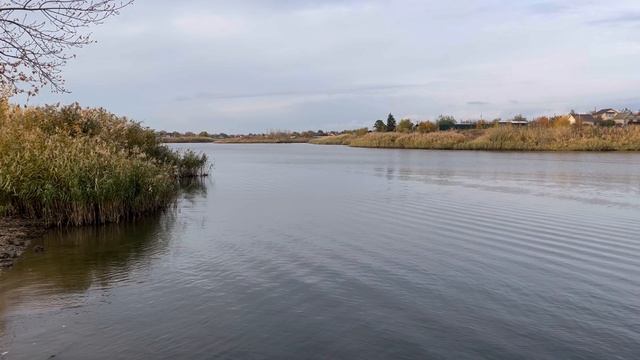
{"type": "Point", "coordinates": [245, 139]}
{"type": "Point", "coordinates": [187, 140]}
{"type": "Point", "coordinates": [15, 237]}
{"type": "Point", "coordinates": [508, 138]}
{"type": "Point", "coordinates": [265, 139]}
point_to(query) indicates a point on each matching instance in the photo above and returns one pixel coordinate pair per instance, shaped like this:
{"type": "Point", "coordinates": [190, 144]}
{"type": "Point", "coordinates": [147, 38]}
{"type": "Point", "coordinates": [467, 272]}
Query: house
{"type": "Point", "coordinates": [513, 122]}
{"type": "Point", "coordinates": [582, 119]}
{"type": "Point", "coordinates": [605, 114]}
{"type": "Point", "coordinates": [624, 118]}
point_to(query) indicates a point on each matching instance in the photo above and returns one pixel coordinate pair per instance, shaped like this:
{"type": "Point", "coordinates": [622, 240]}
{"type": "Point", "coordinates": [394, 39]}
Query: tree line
{"type": "Point", "coordinates": [443, 123]}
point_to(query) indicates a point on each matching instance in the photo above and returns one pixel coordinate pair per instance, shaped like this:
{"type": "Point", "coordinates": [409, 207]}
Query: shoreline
{"type": "Point", "coordinates": [238, 140]}
{"type": "Point", "coordinates": [502, 139]}
{"type": "Point", "coordinates": [16, 235]}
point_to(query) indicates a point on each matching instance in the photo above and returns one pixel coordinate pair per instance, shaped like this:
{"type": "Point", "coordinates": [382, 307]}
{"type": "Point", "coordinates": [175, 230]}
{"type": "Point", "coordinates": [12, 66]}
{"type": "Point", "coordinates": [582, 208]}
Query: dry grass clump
{"type": "Point", "coordinates": [445, 140]}
{"type": "Point", "coordinates": [68, 165]}
{"type": "Point", "coordinates": [435, 140]}
{"type": "Point", "coordinates": [377, 140]}
{"type": "Point", "coordinates": [343, 139]}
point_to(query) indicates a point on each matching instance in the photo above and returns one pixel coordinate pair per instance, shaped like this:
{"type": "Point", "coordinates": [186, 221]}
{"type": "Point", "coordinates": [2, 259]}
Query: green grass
{"type": "Point", "coordinates": [75, 166]}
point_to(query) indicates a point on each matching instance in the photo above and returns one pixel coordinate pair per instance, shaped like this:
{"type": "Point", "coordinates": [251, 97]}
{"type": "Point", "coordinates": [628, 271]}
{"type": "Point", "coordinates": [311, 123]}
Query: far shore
{"type": "Point", "coordinates": [248, 139]}
{"type": "Point", "coordinates": [507, 138]}
{"type": "Point", "coordinates": [265, 140]}
{"type": "Point", "coordinates": [502, 138]}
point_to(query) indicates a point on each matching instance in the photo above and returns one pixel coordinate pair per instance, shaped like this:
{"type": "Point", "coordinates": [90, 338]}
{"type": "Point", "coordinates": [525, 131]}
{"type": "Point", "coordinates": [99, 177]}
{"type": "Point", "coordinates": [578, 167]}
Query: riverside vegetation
{"type": "Point", "coordinates": [67, 165]}
{"type": "Point", "coordinates": [272, 137]}
{"type": "Point", "coordinates": [539, 136]}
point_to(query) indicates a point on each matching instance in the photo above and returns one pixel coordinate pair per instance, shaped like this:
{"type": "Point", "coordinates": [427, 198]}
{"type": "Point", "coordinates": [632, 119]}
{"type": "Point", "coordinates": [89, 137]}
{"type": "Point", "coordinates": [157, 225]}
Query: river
{"type": "Point", "coordinates": [329, 252]}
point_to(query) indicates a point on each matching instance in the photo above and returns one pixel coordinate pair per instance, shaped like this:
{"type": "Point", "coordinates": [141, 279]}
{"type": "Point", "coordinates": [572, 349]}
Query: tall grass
{"type": "Point", "coordinates": [343, 139]}
{"type": "Point", "coordinates": [585, 138]}
{"type": "Point", "coordinates": [69, 165]}
{"type": "Point", "coordinates": [576, 138]}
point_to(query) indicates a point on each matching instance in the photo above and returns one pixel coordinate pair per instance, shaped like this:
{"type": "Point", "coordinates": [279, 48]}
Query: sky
{"type": "Point", "coordinates": [260, 65]}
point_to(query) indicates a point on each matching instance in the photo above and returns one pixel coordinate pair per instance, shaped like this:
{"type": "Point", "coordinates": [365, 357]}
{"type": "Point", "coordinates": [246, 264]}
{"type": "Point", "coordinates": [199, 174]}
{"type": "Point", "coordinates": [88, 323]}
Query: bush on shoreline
{"type": "Point", "coordinates": [74, 166]}
{"type": "Point", "coordinates": [506, 138]}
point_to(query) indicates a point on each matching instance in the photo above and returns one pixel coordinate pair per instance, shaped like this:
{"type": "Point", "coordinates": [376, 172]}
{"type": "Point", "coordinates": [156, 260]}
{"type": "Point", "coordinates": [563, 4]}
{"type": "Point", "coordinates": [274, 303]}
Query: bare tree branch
{"type": "Point", "coordinates": [38, 36]}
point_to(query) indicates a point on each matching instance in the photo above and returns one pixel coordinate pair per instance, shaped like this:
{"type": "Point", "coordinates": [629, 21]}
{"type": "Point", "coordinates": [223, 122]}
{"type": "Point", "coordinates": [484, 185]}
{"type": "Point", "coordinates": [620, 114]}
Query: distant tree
{"type": "Point", "coordinates": [391, 123]}
{"type": "Point", "coordinates": [446, 122]}
{"type": "Point", "coordinates": [203, 134]}
{"type": "Point", "coordinates": [405, 125]}
{"type": "Point", "coordinates": [519, 117]}
{"type": "Point", "coordinates": [380, 126]}
{"type": "Point", "coordinates": [189, 133]}
{"type": "Point", "coordinates": [37, 37]}
{"type": "Point", "coordinates": [426, 127]}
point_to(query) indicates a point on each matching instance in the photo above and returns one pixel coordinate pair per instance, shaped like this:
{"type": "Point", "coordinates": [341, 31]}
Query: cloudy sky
{"type": "Point", "coordinates": [255, 65]}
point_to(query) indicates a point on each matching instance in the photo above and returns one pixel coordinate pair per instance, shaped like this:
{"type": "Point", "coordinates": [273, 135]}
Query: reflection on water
{"type": "Point", "coordinates": [300, 251]}
{"type": "Point", "coordinates": [92, 257]}
{"type": "Point", "coordinates": [78, 259]}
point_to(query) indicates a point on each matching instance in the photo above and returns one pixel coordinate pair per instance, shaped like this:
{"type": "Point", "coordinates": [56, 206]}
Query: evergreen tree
{"type": "Point", "coordinates": [391, 123]}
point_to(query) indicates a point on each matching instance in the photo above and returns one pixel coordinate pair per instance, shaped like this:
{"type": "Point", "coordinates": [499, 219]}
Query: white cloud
{"type": "Point", "coordinates": [204, 25]}
{"type": "Point", "coordinates": [257, 64]}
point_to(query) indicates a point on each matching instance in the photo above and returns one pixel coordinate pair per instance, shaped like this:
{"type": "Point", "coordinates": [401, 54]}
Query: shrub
{"type": "Point", "coordinates": [68, 165]}
{"type": "Point", "coordinates": [405, 126]}
{"type": "Point", "coordinates": [426, 127]}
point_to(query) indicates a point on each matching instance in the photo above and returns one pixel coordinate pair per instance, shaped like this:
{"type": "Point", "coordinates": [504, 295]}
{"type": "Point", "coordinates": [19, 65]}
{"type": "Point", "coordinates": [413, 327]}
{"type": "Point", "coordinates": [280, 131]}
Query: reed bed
{"type": "Point", "coordinates": [74, 166]}
{"type": "Point", "coordinates": [576, 138]}
{"type": "Point", "coordinates": [343, 139]}
{"type": "Point", "coordinates": [508, 138]}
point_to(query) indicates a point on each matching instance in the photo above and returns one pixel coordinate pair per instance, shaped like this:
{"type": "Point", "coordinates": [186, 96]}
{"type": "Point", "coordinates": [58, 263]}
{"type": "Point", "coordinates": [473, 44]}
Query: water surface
{"type": "Point", "coordinates": [303, 251]}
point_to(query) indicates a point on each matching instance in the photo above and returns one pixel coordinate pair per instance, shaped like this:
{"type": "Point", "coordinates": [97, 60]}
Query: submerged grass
{"type": "Point", "coordinates": [585, 138]}
{"type": "Point", "coordinates": [74, 166]}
